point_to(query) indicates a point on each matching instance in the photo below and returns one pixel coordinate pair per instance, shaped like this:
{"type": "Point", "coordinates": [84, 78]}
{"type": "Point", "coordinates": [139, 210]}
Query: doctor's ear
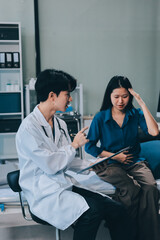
{"type": "Point", "coordinates": [52, 95]}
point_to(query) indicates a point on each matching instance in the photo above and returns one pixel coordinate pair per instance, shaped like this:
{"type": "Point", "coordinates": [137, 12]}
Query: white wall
{"type": "Point", "coordinates": [93, 40]}
{"type": "Point", "coordinates": [97, 39]}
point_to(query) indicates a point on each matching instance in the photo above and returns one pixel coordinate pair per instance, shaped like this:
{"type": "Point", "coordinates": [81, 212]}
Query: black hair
{"type": "Point", "coordinates": [53, 80]}
{"type": "Point", "coordinates": [116, 82]}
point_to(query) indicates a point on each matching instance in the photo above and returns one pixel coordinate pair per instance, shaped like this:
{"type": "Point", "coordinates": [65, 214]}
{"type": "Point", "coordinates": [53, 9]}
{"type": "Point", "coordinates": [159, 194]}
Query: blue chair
{"type": "Point", "coordinates": [151, 151]}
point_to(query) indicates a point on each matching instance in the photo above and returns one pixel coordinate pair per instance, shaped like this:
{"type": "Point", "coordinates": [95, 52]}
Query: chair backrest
{"type": "Point", "coordinates": [13, 180]}
{"type": "Point", "coordinates": [151, 151]}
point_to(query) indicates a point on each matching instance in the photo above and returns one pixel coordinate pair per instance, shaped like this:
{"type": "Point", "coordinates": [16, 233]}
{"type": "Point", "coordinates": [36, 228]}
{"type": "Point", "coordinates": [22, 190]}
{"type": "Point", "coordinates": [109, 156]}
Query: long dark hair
{"type": "Point", "coordinates": [116, 82]}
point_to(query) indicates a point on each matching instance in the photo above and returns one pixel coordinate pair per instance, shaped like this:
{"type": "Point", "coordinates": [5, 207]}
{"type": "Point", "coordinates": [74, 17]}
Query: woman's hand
{"type": "Point", "coordinates": [124, 157]}
{"type": "Point", "coordinates": [136, 96]}
{"type": "Point", "coordinates": [80, 139]}
{"type": "Point", "coordinates": [151, 122]}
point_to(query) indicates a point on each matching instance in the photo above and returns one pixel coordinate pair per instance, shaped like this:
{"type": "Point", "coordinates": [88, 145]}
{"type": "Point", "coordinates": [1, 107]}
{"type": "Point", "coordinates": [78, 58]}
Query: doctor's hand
{"type": "Point", "coordinates": [80, 139]}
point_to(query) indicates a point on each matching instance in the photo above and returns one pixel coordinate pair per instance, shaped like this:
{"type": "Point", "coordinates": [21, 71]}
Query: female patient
{"type": "Point", "coordinates": [116, 127]}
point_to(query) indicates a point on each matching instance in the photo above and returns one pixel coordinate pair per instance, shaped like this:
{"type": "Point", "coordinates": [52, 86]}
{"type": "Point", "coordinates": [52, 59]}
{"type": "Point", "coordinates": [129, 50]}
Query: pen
{"type": "Point", "coordinates": [73, 134]}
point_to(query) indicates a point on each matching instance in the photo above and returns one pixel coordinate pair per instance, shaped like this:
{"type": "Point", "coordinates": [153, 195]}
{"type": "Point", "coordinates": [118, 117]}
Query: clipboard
{"type": "Point", "coordinates": [104, 159]}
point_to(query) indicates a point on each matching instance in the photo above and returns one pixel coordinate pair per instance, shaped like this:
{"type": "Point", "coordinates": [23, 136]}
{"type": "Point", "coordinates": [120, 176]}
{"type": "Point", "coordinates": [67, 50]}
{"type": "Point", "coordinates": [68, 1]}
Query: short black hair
{"type": "Point", "coordinates": [53, 80]}
{"type": "Point", "coordinates": [116, 82]}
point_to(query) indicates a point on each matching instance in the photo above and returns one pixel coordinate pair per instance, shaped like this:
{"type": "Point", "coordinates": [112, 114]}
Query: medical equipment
{"type": "Point", "coordinates": [60, 128]}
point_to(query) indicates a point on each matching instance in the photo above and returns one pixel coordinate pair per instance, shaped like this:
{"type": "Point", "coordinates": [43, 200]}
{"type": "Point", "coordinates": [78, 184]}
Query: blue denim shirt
{"type": "Point", "coordinates": [112, 137]}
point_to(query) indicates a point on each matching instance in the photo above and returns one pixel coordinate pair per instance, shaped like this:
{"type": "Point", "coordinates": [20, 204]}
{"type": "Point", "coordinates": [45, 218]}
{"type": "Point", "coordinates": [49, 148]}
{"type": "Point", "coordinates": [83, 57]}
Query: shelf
{"type": "Point", "coordinates": [11, 89]}
{"type": "Point", "coordinates": [7, 133]}
{"type": "Point", "coordinates": [10, 41]}
{"type": "Point", "coordinates": [10, 76]}
{"type": "Point", "coordinates": [11, 114]}
{"type": "Point", "coordinates": [8, 92]}
{"type": "Point", "coordinates": [9, 69]}
{"type": "Point", "coordinates": [6, 157]}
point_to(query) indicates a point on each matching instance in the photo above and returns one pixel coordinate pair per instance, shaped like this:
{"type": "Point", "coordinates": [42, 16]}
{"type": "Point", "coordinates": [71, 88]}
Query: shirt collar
{"type": "Point", "coordinates": [129, 114]}
{"type": "Point", "coordinates": [108, 114]}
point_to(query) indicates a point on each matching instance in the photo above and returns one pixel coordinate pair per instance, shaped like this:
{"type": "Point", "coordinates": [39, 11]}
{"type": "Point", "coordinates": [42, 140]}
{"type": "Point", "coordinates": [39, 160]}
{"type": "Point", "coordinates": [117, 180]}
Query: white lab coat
{"type": "Point", "coordinates": [43, 164]}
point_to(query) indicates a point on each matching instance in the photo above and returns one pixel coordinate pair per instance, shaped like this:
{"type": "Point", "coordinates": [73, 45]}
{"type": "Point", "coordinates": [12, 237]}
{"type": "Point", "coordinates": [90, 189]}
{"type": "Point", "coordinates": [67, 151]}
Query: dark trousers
{"type": "Point", "coordinates": [102, 208]}
{"type": "Point", "coordinates": [136, 189]}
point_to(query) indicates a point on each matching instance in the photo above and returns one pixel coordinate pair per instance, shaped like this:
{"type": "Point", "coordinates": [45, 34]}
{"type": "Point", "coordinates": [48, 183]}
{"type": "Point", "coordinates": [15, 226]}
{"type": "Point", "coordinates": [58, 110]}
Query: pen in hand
{"type": "Point", "coordinates": [73, 134]}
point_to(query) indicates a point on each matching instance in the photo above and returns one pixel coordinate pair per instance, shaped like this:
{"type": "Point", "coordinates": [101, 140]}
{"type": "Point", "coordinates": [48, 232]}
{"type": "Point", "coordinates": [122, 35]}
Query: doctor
{"type": "Point", "coordinates": [46, 152]}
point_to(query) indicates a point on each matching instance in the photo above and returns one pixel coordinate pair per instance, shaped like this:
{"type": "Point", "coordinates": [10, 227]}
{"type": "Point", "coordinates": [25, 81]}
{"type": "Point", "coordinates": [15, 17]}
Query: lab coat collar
{"type": "Point", "coordinates": [42, 121]}
{"type": "Point", "coordinates": [40, 118]}
{"type": "Point", "coordinates": [57, 131]}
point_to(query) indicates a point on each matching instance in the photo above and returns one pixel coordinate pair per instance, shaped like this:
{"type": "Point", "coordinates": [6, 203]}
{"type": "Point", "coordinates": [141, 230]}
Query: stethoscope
{"type": "Point", "coordinates": [60, 128]}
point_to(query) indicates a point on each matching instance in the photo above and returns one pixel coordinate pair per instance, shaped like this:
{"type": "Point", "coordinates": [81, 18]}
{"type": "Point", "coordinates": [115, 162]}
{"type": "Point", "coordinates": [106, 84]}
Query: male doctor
{"type": "Point", "coordinates": [46, 152]}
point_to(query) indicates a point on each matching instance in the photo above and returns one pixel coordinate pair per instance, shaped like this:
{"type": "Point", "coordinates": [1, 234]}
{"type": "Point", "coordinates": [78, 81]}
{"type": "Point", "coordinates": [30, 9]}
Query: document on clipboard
{"type": "Point", "coordinates": [104, 159]}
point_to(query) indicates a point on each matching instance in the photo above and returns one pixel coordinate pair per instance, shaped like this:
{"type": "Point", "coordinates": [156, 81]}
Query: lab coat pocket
{"type": "Point", "coordinates": [47, 185]}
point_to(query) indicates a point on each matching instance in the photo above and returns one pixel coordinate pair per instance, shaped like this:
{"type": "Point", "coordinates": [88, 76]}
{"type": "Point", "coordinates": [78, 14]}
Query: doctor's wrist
{"type": "Point", "coordinates": [74, 145]}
